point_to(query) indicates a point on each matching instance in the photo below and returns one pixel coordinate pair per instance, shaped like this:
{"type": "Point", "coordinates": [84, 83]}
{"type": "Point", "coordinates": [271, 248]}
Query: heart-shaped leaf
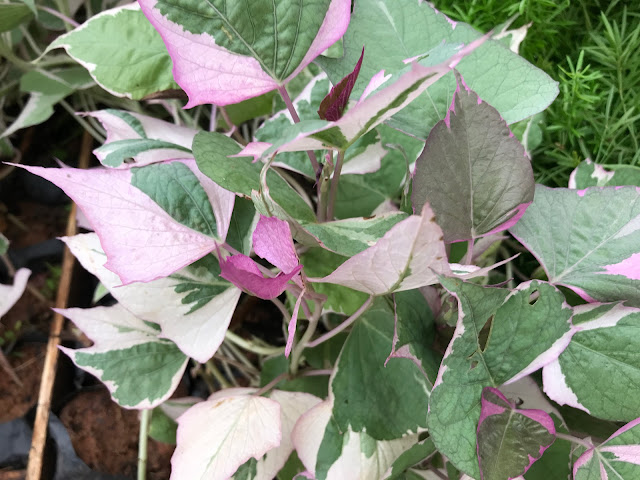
{"type": "Point", "coordinates": [510, 439]}
{"type": "Point", "coordinates": [224, 54]}
{"type": "Point", "coordinates": [473, 171]}
{"type": "Point", "coordinates": [486, 352]}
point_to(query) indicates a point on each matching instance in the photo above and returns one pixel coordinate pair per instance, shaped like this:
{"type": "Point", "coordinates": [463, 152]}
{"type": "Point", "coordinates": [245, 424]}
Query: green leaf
{"type": "Point", "coordinates": [501, 336]}
{"type": "Point", "coordinates": [252, 108]}
{"type": "Point", "coordinates": [364, 388]}
{"type": "Point", "coordinates": [140, 369]}
{"type": "Point", "coordinates": [4, 244]}
{"type": "Point", "coordinates": [586, 240]}
{"type": "Point", "coordinates": [162, 428]}
{"type": "Point", "coordinates": [415, 333]}
{"type": "Point", "coordinates": [473, 172]}
{"type": "Point", "coordinates": [615, 458]}
{"type": "Point", "coordinates": [319, 262]}
{"type": "Point", "coordinates": [411, 457]}
{"type": "Point", "coordinates": [178, 191]}
{"type": "Point", "coordinates": [306, 105]}
{"type": "Point", "coordinates": [353, 235]}
{"type": "Point", "coordinates": [510, 440]}
{"type": "Point", "coordinates": [118, 152]}
{"type": "Point", "coordinates": [601, 362]}
{"type": "Point", "coordinates": [274, 366]}
{"type": "Point", "coordinates": [279, 45]}
{"type": "Point", "coordinates": [394, 30]}
{"type": "Point", "coordinates": [122, 52]}
{"type": "Point", "coordinates": [47, 89]}
{"type": "Point", "coordinates": [243, 222]}
{"type": "Point", "coordinates": [590, 174]}
{"type": "Point", "coordinates": [241, 176]}
{"type": "Point", "coordinates": [360, 195]}
{"type": "Point", "coordinates": [12, 15]}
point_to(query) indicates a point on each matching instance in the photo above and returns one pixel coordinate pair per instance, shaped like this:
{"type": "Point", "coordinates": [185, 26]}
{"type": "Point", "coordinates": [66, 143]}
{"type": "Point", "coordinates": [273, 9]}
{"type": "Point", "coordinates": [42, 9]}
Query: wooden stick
{"type": "Point", "coordinates": [34, 467]}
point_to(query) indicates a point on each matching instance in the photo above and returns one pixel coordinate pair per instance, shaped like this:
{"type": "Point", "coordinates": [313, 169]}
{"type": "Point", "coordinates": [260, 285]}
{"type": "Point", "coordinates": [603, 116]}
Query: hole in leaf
{"type": "Point", "coordinates": [485, 333]}
{"type": "Point", "coordinates": [533, 298]}
{"type": "Point", "coordinates": [474, 364]}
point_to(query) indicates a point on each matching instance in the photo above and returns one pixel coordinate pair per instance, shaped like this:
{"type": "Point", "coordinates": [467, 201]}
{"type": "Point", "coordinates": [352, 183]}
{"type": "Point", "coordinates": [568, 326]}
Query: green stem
{"type": "Point", "coordinates": [296, 119]}
{"type": "Point", "coordinates": [213, 370]}
{"type": "Point", "coordinates": [82, 122]}
{"type": "Point", "coordinates": [145, 420]}
{"type": "Point", "coordinates": [333, 192]}
{"type": "Point", "coordinates": [576, 440]}
{"type": "Point", "coordinates": [7, 53]}
{"type": "Point", "coordinates": [252, 347]}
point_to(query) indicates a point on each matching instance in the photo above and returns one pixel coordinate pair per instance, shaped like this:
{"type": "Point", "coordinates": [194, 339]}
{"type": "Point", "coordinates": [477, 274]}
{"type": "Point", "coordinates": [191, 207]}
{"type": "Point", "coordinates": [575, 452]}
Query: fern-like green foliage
{"type": "Point", "coordinates": [591, 47]}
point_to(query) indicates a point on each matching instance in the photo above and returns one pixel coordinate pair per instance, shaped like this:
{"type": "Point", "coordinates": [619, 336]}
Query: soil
{"type": "Point", "coordinates": [105, 436]}
{"type": "Point", "coordinates": [16, 400]}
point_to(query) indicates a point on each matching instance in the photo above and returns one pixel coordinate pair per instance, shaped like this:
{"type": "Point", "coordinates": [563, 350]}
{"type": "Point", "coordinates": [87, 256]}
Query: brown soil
{"type": "Point", "coordinates": [16, 400]}
{"type": "Point", "coordinates": [105, 436]}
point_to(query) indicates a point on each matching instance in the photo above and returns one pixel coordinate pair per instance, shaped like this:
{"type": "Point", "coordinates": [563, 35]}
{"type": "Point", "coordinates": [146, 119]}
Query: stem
{"type": "Point", "coordinates": [296, 119]}
{"type": "Point", "coordinates": [363, 308]}
{"type": "Point", "coordinates": [272, 383]}
{"type": "Point", "coordinates": [213, 120]}
{"type": "Point", "coordinates": [82, 122]}
{"type": "Point", "coordinates": [311, 329]}
{"type": "Point", "coordinates": [572, 439]}
{"type": "Point", "coordinates": [333, 192]}
{"type": "Point", "coordinates": [62, 17]}
{"type": "Point", "coordinates": [63, 7]}
{"type": "Point", "coordinates": [282, 308]}
{"type": "Point", "coordinates": [468, 257]}
{"type": "Point", "coordinates": [213, 370]}
{"type": "Point", "coordinates": [252, 347]}
{"type": "Point", "coordinates": [145, 420]}
{"type": "Point", "coordinates": [6, 52]}
{"type": "Point", "coordinates": [233, 129]}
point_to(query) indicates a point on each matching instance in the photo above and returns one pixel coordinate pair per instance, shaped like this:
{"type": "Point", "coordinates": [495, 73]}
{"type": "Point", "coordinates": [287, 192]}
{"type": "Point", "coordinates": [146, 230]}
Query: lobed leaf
{"type": "Point", "coordinates": [240, 175]}
{"type": "Point", "coordinates": [601, 363]}
{"type": "Point", "coordinates": [501, 336]}
{"type": "Point", "coordinates": [121, 51]}
{"type": "Point", "coordinates": [510, 439]}
{"type": "Point", "coordinates": [140, 369]}
{"type": "Point", "coordinates": [394, 30]}
{"type": "Point", "coordinates": [618, 457]}
{"type": "Point", "coordinates": [597, 259]}
{"type": "Point", "coordinates": [147, 243]}
{"type": "Point", "coordinates": [376, 105]}
{"type": "Point", "coordinates": [410, 255]}
{"type": "Point", "coordinates": [193, 306]}
{"type": "Point", "coordinates": [473, 172]}
{"type": "Point", "coordinates": [224, 53]}
{"type": "Point", "coordinates": [364, 384]}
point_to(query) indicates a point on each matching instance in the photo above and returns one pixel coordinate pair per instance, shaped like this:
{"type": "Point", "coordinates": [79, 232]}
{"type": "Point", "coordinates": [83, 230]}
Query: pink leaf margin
{"type": "Point", "coordinates": [209, 73]}
{"type": "Point", "coordinates": [489, 409]}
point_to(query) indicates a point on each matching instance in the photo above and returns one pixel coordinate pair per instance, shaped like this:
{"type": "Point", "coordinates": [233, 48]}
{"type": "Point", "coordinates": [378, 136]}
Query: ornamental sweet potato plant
{"type": "Point", "coordinates": [381, 208]}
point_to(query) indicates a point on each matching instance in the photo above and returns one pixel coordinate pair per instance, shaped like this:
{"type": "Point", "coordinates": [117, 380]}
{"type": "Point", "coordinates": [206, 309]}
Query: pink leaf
{"type": "Point", "coordinates": [333, 105]}
{"type": "Point", "coordinates": [272, 241]}
{"type": "Point", "coordinates": [410, 255]}
{"type": "Point", "coordinates": [245, 274]}
{"type": "Point", "coordinates": [141, 240]}
{"type": "Point", "coordinates": [210, 73]}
